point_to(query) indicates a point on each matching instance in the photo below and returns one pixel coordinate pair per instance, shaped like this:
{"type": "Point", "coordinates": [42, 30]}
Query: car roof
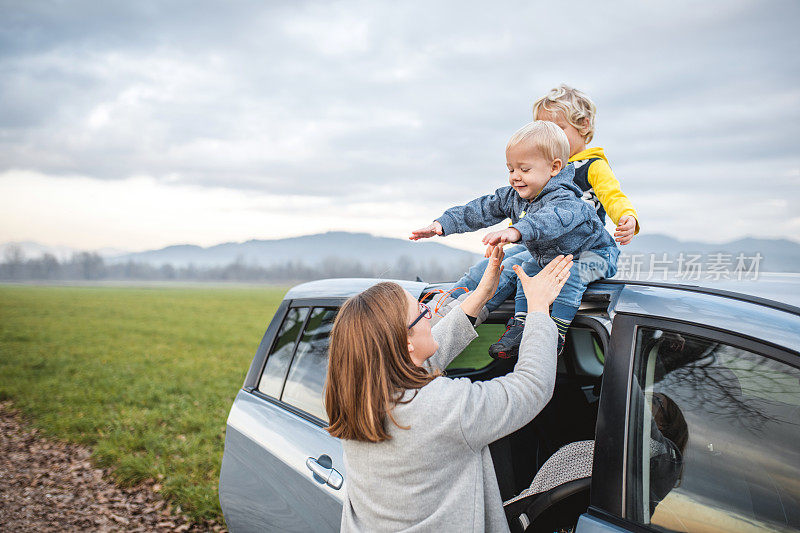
{"type": "Point", "coordinates": [777, 288]}
{"type": "Point", "coordinates": [783, 288]}
{"type": "Point", "coordinates": [746, 315]}
{"type": "Point", "coordinates": [771, 303]}
{"type": "Point", "coordinates": [347, 287]}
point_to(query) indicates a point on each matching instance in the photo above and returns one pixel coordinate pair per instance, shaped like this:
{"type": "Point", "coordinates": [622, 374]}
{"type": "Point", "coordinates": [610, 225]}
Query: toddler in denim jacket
{"type": "Point", "coordinates": [548, 217]}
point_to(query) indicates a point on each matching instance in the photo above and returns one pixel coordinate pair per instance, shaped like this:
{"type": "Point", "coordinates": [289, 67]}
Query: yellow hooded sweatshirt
{"type": "Point", "coordinates": [594, 176]}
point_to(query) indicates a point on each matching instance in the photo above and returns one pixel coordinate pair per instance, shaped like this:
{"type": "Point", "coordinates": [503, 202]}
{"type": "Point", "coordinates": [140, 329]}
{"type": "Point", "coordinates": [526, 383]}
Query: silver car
{"type": "Point", "coordinates": [676, 408]}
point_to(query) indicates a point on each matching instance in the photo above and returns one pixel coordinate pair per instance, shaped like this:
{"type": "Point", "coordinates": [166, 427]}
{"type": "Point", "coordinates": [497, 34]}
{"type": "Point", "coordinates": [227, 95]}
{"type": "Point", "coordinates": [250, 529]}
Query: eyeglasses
{"type": "Point", "coordinates": [425, 312]}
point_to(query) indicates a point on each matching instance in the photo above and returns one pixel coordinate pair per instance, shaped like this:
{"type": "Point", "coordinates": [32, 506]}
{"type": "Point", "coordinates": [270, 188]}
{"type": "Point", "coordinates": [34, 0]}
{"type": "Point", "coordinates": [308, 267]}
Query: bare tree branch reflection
{"type": "Point", "coordinates": [707, 376]}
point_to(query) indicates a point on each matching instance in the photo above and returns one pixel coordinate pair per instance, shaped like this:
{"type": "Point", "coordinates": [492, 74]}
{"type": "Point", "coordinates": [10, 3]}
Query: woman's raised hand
{"type": "Point", "coordinates": [541, 290]}
{"type": "Point", "coordinates": [491, 276]}
{"type": "Point", "coordinates": [486, 288]}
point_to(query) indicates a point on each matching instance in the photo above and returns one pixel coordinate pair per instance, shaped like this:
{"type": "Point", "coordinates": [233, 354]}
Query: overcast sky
{"type": "Point", "coordinates": [141, 124]}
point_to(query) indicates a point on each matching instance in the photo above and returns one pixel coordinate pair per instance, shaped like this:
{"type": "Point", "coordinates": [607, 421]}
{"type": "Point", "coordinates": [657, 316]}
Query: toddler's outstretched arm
{"type": "Point", "coordinates": [479, 213]}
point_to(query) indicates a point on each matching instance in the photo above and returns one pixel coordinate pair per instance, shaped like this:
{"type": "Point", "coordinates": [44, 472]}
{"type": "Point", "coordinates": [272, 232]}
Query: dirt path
{"type": "Point", "coordinates": [50, 486]}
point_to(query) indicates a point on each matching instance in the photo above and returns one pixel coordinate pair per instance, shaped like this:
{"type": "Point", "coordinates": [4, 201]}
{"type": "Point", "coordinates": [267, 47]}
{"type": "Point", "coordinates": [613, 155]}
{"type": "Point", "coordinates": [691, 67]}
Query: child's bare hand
{"type": "Point", "coordinates": [541, 290]}
{"type": "Point", "coordinates": [502, 237]}
{"type": "Point", "coordinates": [428, 231]}
{"type": "Point", "coordinates": [625, 229]}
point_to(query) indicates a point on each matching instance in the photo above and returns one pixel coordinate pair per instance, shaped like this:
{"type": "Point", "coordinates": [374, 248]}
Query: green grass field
{"type": "Point", "coordinates": [145, 377]}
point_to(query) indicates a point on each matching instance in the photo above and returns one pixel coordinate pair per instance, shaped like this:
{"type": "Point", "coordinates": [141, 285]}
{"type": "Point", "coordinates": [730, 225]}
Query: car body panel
{"type": "Point", "coordinates": [265, 484]}
{"type": "Point", "coordinates": [591, 524]}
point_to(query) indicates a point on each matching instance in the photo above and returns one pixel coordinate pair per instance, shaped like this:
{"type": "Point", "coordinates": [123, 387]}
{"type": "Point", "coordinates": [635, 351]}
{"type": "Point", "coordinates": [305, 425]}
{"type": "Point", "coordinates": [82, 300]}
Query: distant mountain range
{"type": "Point", "coordinates": [311, 250]}
{"type": "Point", "coordinates": [778, 255]}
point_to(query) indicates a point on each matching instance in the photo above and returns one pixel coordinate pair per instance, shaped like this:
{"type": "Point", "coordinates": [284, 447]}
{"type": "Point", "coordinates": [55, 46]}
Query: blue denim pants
{"type": "Point", "coordinates": [514, 255]}
{"type": "Point", "coordinates": [586, 268]}
{"type": "Point", "coordinates": [590, 266]}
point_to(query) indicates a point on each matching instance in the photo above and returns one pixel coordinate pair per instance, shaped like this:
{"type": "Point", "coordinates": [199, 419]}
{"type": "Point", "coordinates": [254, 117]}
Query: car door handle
{"type": "Point", "coordinates": [324, 472]}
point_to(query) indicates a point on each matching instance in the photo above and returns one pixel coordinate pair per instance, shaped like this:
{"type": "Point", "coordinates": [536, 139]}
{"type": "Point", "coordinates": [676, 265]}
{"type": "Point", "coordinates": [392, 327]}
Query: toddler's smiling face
{"type": "Point", "coordinates": [528, 170]}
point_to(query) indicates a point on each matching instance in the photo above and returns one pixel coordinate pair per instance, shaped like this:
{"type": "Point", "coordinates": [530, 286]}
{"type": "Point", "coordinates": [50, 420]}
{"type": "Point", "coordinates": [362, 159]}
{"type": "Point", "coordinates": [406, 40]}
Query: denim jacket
{"type": "Point", "coordinates": [556, 222]}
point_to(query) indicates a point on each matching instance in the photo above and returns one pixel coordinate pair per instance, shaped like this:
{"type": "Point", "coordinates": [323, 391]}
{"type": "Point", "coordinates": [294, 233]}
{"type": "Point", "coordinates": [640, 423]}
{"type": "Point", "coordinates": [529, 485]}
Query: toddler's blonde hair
{"type": "Point", "coordinates": [577, 108]}
{"type": "Point", "coordinates": [547, 137]}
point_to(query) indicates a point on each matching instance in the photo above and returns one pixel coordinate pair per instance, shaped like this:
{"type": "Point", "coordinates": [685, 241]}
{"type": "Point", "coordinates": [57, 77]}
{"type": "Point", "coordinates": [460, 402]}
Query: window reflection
{"type": "Point", "coordinates": [304, 386]}
{"type": "Point", "coordinates": [727, 423]}
{"type": "Point", "coordinates": [281, 355]}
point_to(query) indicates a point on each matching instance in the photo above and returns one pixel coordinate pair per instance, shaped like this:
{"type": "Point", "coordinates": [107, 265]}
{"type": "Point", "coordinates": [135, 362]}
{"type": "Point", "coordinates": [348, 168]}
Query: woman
{"type": "Point", "coordinates": [415, 442]}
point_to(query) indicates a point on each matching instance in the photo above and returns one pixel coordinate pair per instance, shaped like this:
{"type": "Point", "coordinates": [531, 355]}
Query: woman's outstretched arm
{"type": "Point", "coordinates": [476, 300]}
{"type": "Point", "coordinates": [493, 409]}
{"type": "Point", "coordinates": [454, 332]}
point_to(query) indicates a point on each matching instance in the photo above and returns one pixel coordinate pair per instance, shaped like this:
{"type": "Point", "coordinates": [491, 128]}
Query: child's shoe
{"type": "Point", "coordinates": [562, 326]}
{"type": "Point", "coordinates": [507, 346]}
{"type": "Point", "coordinates": [560, 347]}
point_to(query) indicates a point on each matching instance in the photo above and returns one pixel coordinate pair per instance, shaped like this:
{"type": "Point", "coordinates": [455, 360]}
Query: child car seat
{"type": "Point", "coordinates": [564, 479]}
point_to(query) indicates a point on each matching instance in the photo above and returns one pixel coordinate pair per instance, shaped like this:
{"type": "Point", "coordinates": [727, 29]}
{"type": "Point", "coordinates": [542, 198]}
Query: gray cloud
{"type": "Point", "coordinates": [342, 99]}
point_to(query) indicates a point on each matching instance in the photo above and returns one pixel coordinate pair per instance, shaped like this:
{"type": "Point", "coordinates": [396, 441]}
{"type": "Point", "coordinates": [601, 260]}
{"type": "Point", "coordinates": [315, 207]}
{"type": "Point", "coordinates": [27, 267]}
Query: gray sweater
{"type": "Point", "coordinates": [438, 475]}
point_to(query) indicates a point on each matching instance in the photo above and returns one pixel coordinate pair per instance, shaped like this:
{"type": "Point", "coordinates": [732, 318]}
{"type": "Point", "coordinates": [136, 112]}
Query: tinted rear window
{"type": "Point", "coordinates": [279, 358]}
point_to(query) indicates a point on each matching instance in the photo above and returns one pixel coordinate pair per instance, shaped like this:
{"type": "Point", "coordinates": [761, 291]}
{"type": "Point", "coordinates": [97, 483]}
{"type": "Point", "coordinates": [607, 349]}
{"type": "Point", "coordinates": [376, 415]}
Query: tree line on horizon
{"type": "Point", "coordinates": [89, 266]}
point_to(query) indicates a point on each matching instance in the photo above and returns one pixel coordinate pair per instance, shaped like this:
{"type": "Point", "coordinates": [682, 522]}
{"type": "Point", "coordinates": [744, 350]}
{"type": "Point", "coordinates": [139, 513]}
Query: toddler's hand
{"type": "Point", "coordinates": [541, 290]}
{"type": "Point", "coordinates": [625, 229]}
{"type": "Point", "coordinates": [427, 231]}
{"type": "Point", "coordinates": [502, 237]}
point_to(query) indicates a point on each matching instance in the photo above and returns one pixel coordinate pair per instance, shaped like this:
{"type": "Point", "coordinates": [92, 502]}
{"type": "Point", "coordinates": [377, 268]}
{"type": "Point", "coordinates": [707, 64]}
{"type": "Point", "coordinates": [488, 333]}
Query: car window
{"type": "Point", "coordinates": [584, 348]}
{"type": "Point", "coordinates": [306, 380]}
{"type": "Point", "coordinates": [278, 360]}
{"type": "Point", "coordinates": [476, 355]}
{"type": "Point", "coordinates": [714, 436]}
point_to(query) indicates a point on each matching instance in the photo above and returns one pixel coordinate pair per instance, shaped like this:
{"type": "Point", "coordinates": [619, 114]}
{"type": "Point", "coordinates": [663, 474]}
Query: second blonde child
{"type": "Point", "coordinates": [575, 113]}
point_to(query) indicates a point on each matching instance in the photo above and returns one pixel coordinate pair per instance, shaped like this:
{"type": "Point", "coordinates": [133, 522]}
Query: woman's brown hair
{"type": "Point", "coordinates": [369, 368]}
